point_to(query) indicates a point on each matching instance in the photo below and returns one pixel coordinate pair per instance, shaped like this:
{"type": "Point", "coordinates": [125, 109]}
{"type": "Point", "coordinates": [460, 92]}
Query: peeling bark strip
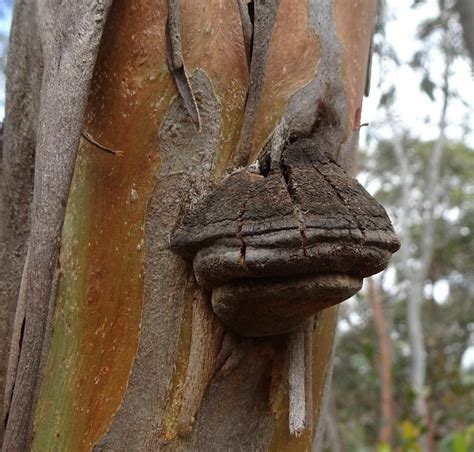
{"type": "Point", "coordinates": [300, 378]}
{"type": "Point", "coordinates": [264, 20]}
{"type": "Point", "coordinates": [95, 143]}
{"type": "Point", "coordinates": [15, 347]}
{"type": "Point", "coordinates": [176, 61]}
{"type": "Point", "coordinates": [70, 37]}
{"type": "Point", "coordinates": [296, 377]}
{"type": "Point", "coordinates": [247, 28]}
{"type": "Point", "coordinates": [207, 333]}
{"type": "Point", "coordinates": [308, 376]}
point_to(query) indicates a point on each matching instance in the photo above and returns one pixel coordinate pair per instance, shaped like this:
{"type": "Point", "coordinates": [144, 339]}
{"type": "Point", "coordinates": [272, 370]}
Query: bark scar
{"type": "Point", "coordinates": [240, 225]}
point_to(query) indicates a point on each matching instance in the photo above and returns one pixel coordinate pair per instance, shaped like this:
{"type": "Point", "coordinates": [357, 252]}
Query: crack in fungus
{"type": "Point", "coordinates": [295, 202]}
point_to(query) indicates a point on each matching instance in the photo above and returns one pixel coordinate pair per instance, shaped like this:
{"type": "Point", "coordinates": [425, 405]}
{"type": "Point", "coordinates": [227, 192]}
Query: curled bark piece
{"type": "Point", "coordinates": [247, 29]}
{"type": "Point", "coordinates": [176, 61]}
{"type": "Point", "coordinates": [297, 382]}
{"type": "Point", "coordinates": [206, 340]}
{"type": "Point", "coordinates": [277, 249]}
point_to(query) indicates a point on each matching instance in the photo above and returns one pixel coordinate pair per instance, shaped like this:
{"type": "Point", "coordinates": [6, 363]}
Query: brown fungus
{"type": "Point", "coordinates": [275, 249]}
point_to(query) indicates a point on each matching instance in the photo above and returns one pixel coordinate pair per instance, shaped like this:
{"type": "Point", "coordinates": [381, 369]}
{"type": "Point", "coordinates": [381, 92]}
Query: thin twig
{"type": "Point", "coordinates": [91, 140]}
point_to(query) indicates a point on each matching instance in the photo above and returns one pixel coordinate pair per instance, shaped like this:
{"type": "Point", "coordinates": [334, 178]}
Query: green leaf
{"type": "Point", "coordinates": [459, 442]}
{"type": "Point", "coordinates": [384, 447]}
{"type": "Point", "coordinates": [387, 98]}
{"type": "Point", "coordinates": [427, 86]}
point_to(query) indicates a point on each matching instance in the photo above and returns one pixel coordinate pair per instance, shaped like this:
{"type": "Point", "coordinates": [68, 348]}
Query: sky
{"type": "Point", "coordinates": [413, 108]}
{"type": "Point", "coordinates": [5, 23]}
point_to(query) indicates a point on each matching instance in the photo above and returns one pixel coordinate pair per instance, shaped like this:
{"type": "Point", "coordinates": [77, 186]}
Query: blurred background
{"type": "Point", "coordinates": [404, 365]}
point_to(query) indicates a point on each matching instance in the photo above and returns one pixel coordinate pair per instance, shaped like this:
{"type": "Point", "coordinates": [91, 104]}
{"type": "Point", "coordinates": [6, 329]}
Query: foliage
{"type": "Point", "coordinates": [448, 324]}
{"type": "Point", "coordinates": [447, 319]}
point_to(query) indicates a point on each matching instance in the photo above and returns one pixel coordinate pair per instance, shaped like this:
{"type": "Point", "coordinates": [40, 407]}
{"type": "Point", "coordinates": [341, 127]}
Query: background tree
{"type": "Point", "coordinates": [415, 178]}
{"type": "Point", "coordinates": [447, 323]}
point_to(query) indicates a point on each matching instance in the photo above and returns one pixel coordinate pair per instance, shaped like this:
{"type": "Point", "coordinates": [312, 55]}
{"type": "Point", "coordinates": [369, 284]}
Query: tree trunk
{"type": "Point", "coordinates": [466, 14]}
{"type": "Point", "coordinates": [417, 274]}
{"type": "Point", "coordinates": [124, 351]}
{"type": "Point", "coordinates": [333, 435]}
{"type": "Point", "coordinates": [385, 366]}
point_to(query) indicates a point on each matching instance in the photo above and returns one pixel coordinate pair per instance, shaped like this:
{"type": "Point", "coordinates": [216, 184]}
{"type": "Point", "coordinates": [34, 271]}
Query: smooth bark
{"type": "Point", "coordinates": [69, 38]}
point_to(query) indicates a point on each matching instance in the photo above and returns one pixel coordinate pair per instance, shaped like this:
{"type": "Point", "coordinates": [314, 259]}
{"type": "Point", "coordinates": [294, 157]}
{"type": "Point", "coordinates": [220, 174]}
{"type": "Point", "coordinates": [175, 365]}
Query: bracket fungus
{"type": "Point", "coordinates": [276, 248]}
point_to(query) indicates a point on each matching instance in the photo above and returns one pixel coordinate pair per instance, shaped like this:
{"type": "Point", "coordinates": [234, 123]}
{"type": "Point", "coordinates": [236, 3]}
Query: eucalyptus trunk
{"type": "Point", "coordinates": [114, 346]}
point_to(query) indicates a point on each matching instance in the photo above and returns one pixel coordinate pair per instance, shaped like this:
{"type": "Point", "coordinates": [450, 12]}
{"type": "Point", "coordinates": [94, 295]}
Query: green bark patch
{"type": "Point", "coordinates": [96, 322]}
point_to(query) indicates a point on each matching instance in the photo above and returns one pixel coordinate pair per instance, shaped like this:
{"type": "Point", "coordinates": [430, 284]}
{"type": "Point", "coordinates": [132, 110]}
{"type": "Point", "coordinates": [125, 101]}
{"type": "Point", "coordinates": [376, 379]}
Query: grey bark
{"type": "Point", "coordinates": [23, 82]}
{"type": "Point", "coordinates": [69, 34]}
{"type": "Point", "coordinates": [466, 14]}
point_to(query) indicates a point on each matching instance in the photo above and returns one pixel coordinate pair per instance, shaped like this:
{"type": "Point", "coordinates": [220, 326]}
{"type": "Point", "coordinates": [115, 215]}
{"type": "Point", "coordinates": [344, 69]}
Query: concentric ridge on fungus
{"type": "Point", "coordinates": [276, 249]}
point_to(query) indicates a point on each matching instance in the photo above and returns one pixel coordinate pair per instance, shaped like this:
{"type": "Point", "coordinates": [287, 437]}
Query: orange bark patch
{"type": "Point", "coordinates": [293, 57]}
{"type": "Point", "coordinates": [212, 40]}
{"type": "Point", "coordinates": [96, 324]}
{"type": "Point", "coordinates": [354, 21]}
{"type": "Point", "coordinates": [100, 295]}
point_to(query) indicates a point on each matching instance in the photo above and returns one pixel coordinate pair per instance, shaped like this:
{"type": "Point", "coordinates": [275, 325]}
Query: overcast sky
{"type": "Point", "coordinates": [414, 110]}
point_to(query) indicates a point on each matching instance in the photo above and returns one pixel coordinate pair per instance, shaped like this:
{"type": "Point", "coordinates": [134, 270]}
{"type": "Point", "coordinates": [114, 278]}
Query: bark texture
{"type": "Point", "coordinates": [466, 14]}
{"type": "Point", "coordinates": [24, 73]}
{"type": "Point", "coordinates": [69, 38]}
{"type": "Point", "coordinates": [120, 366]}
